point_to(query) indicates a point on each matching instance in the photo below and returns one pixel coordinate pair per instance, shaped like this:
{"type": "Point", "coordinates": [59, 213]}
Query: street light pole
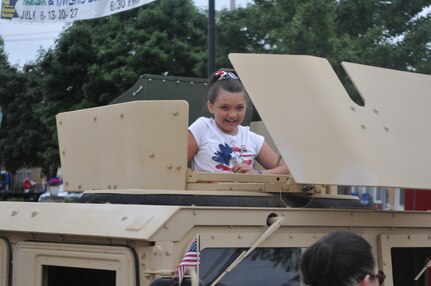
{"type": "Point", "coordinates": [232, 4]}
{"type": "Point", "coordinates": [211, 36]}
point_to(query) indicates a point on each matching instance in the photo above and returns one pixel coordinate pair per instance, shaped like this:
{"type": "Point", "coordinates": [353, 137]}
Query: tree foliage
{"type": "Point", "coordinates": [388, 34]}
{"type": "Point", "coordinates": [21, 133]}
{"type": "Point", "coordinates": [383, 33]}
{"type": "Point", "coordinates": [95, 61]}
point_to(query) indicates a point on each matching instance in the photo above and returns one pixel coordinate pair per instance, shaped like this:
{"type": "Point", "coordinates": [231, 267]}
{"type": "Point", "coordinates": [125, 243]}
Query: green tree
{"type": "Point", "coordinates": [288, 27]}
{"type": "Point", "coordinates": [7, 79]}
{"type": "Point", "coordinates": [416, 46]}
{"type": "Point", "coordinates": [381, 33]}
{"type": "Point", "coordinates": [236, 33]}
{"type": "Point", "coordinates": [93, 62]}
{"type": "Point", "coordinates": [374, 32]}
{"type": "Point", "coordinates": [21, 132]}
{"type": "Point", "coordinates": [164, 37]}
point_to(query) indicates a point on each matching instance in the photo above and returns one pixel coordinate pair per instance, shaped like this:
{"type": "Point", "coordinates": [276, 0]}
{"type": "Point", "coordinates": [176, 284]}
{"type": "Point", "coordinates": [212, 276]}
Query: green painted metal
{"type": "Point", "coordinates": [191, 89]}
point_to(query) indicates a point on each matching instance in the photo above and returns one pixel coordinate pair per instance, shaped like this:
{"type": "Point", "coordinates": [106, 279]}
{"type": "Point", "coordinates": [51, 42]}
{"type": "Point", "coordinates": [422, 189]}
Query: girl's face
{"type": "Point", "coordinates": [229, 110]}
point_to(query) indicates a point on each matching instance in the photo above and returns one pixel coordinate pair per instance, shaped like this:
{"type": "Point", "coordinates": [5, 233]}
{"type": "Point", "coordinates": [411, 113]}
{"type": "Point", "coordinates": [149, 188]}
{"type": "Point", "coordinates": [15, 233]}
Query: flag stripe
{"type": "Point", "coordinates": [191, 258]}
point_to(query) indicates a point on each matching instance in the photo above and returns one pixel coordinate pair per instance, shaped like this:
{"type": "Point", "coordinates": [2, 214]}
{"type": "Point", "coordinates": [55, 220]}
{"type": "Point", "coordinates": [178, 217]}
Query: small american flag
{"type": "Point", "coordinates": [190, 259]}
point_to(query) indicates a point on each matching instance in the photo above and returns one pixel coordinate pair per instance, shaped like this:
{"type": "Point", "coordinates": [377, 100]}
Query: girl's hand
{"type": "Point", "coordinates": [243, 168]}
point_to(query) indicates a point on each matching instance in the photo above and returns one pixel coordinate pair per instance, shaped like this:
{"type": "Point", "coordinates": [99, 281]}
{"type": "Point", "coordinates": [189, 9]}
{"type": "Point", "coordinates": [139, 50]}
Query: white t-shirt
{"type": "Point", "coordinates": [217, 151]}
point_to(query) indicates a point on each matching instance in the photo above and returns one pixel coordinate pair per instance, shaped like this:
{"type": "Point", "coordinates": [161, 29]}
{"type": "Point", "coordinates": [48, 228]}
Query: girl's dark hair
{"type": "Point", "coordinates": [215, 84]}
{"type": "Point", "coordinates": [338, 258]}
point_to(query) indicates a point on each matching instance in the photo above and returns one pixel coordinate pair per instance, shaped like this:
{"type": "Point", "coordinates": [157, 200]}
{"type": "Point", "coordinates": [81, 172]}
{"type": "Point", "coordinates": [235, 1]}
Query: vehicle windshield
{"type": "Point", "coordinates": [274, 266]}
{"type": "Point", "coordinates": [407, 262]}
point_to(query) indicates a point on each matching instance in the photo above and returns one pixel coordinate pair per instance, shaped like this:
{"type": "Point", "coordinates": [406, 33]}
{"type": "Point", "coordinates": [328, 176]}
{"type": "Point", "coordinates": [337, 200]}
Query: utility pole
{"type": "Point", "coordinates": [232, 4]}
{"type": "Point", "coordinates": [211, 36]}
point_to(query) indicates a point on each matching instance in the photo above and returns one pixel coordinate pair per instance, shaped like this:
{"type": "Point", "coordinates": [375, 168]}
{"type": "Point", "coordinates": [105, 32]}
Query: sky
{"type": "Point", "coordinates": [23, 41]}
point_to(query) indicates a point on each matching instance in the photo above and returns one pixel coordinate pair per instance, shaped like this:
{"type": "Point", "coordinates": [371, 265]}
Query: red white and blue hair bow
{"type": "Point", "coordinates": [225, 75]}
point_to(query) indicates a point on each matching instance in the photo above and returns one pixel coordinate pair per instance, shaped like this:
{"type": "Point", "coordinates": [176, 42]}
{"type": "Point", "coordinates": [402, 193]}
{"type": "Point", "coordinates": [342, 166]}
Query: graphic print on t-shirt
{"type": "Point", "coordinates": [228, 156]}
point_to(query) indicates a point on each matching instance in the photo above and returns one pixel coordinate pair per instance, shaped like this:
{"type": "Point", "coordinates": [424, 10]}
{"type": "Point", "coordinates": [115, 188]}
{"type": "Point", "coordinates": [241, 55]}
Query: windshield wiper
{"type": "Point", "coordinates": [428, 265]}
{"type": "Point", "coordinates": [269, 231]}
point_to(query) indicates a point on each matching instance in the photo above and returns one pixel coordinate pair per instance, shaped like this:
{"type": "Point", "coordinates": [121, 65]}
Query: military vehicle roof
{"type": "Point", "coordinates": [163, 223]}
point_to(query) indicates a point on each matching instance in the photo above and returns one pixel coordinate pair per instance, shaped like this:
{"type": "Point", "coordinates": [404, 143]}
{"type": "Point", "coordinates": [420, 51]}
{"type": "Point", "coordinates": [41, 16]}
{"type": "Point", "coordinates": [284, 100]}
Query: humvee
{"type": "Point", "coordinates": [142, 207]}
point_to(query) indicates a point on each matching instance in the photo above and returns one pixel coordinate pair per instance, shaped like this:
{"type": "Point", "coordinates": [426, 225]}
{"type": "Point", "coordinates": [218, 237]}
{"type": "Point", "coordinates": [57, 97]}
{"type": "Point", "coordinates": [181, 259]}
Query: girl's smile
{"type": "Point", "coordinates": [229, 110]}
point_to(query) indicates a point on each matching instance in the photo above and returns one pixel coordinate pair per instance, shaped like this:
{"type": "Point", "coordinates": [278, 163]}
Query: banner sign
{"type": "Point", "coordinates": [46, 11]}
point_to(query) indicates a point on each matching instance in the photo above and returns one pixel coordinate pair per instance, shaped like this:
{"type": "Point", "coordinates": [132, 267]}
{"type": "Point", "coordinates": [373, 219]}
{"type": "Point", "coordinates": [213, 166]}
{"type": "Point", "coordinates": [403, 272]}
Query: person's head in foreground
{"type": "Point", "coordinates": [340, 258]}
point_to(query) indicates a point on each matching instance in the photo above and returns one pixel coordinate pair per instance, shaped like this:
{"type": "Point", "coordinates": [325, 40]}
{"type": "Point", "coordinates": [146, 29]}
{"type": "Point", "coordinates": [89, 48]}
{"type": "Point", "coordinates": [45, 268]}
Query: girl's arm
{"type": "Point", "coordinates": [192, 148]}
{"type": "Point", "coordinates": [267, 157]}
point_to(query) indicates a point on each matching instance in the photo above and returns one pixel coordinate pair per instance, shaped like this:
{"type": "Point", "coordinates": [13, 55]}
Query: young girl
{"type": "Point", "coordinates": [222, 144]}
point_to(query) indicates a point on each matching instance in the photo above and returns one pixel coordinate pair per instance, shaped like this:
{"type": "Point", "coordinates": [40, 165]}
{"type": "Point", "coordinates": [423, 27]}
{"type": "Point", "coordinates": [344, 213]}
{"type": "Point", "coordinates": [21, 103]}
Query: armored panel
{"type": "Point", "coordinates": [4, 262]}
{"type": "Point", "coordinates": [397, 115]}
{"type": "Point", "coordinates": [92, 220]}
{"type": "Point", "coordinates": [191, 89]}
{"type": "Point", "coordinates": [158, 87]}
{"type": "Point", "coordinates": [139, 144]}
{"type": "Point", "coordinates": [324, 137]}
